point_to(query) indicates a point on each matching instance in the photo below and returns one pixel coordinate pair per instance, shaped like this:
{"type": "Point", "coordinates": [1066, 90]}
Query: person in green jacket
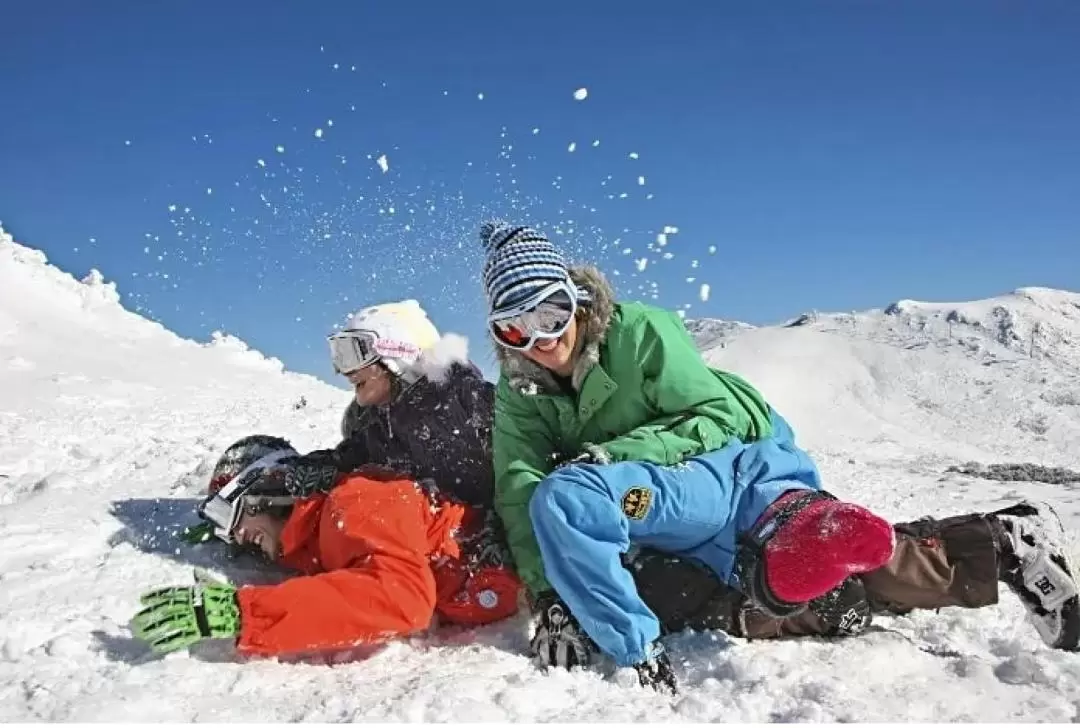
{"type": "Point", "coordinates": [610, 431]}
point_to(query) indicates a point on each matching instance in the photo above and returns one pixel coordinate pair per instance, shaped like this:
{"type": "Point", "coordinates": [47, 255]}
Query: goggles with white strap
{"type": "Point", "coordinates": [223, 509]}
{"type": "Point", "coordinates": [545, 315]}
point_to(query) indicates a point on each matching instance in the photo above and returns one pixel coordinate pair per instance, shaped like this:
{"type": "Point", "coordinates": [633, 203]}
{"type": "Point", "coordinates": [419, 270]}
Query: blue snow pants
{"type": "Point", "coordinates": [586, 516]}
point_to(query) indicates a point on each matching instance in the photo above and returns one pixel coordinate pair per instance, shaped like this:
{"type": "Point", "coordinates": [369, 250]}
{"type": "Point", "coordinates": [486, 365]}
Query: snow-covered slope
{"type": "Point", "coordinates": [109, 425]}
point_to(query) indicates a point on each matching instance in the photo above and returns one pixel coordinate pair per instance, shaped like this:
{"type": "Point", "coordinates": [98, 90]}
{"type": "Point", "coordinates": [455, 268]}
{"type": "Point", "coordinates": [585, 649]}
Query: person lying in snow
{"type": "Point", "coordinates": [610, 431]}
{"type": "Point", "coordinates": [380, 558]}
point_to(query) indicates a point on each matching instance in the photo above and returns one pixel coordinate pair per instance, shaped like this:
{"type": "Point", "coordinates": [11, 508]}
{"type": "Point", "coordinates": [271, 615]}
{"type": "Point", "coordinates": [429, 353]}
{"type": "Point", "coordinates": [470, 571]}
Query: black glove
{"type": "Point", "coordinates": [656, 672]}
{"type": "Point", "coordinates": [298, 477]}
{"type": "Point", "coordinates": [845, 610]}
{"type": "Point", "coordinates": [559, 640]}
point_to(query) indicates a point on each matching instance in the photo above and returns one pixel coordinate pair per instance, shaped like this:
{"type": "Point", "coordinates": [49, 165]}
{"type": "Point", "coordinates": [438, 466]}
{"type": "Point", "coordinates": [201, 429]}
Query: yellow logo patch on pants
{"type": "Point", "coordinates": [636, 502]}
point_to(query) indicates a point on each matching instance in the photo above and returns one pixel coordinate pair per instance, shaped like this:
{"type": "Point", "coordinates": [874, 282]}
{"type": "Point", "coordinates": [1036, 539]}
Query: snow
{"type": "Point", "coordinates": [109, 425]}
{"type": "Point", "coordinates": [384, 163]}
{"type": "Point", "coordinates": [703, 292]}
{"type": "Point", "coordinates": [572, 147]}
{"type": "Point", "coordinates": [581, 94]}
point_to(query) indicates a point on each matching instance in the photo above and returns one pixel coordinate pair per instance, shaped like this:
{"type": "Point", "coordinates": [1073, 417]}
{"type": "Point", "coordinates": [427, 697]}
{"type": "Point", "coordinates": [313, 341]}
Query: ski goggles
{"type": "Point", "coordinates": [353, 349]}
{"type": "Point", "coordinates": [545, 315]}
{"type": "Point", "coordinates": [223, 509]}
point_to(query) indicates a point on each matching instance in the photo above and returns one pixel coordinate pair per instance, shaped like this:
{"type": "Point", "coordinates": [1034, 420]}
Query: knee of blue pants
{"type": "Point", "coordinates": [581, 533]}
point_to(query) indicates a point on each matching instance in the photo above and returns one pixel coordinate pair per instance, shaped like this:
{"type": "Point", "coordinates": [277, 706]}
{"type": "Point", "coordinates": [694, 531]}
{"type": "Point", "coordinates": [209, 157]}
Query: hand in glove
{"type": "Point", "coordinates": [174, 618]}
{"type": "Point", "coordinates": [559, 639]}
{"type": "Point", "coordinates": [591, 455]}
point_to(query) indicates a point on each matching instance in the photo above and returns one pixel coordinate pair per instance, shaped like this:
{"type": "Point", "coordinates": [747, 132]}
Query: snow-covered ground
{"type": "Point", "coordinates": [109, 425]}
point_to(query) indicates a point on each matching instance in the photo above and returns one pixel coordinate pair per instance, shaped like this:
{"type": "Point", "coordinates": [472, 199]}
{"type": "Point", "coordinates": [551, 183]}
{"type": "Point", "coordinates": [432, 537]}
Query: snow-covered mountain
{"type": "Point", "coordinates": [109, 424]}
{"type": "Point", "coordinates": [996, 379]}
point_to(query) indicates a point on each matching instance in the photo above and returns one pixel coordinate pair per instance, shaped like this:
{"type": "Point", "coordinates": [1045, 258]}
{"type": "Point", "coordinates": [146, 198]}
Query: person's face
{"type": "Point", "coordinates": [371, 385]}
{"type": "Point", "coordinates": [261, 530]}
{"type": "Point", "coordinates": [556, 355]}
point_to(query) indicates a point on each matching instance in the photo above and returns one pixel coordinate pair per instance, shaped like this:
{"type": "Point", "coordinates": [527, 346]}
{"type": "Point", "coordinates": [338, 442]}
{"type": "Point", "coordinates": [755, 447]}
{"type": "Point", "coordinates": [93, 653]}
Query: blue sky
{"type": "Point", "coordinates": [834, 155]}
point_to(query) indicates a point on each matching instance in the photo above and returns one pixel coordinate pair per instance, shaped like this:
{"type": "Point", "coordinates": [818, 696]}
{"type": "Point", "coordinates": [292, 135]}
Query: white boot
{"type": "Point", "coordinates": [1034, 562]}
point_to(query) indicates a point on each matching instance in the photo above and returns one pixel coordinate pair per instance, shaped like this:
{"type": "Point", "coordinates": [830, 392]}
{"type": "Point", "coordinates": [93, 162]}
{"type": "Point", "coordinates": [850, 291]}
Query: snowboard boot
{"type": "Point", "coordinates": [655, 671]}
{"type": "Point", "coordinates": [1034, 563]}
{"type": "Point", "coordinates": [805, 545]}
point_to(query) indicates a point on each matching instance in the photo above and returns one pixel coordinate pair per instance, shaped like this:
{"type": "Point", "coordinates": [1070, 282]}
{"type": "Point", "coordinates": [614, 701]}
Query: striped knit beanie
{"type": "Point", "coordinates": [520, 261]}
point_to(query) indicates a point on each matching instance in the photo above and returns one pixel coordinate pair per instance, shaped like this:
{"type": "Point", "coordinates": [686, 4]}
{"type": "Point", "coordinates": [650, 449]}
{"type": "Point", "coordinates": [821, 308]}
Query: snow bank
{"type": "Point", "coordinates": [109, 425]}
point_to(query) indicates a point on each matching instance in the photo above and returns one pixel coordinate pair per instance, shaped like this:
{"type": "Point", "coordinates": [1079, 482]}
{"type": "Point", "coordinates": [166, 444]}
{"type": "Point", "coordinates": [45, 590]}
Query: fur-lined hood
{"type": "Point", "coordinates": [593, 320]}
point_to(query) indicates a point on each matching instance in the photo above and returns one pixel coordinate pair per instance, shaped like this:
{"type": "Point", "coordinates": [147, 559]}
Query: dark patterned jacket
{"type": "Point", "coordinates": [437, 430]}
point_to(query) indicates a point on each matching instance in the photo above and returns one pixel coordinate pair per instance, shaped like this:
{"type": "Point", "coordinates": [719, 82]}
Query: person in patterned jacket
{"type": "Point", "coordinates": [420, 408]}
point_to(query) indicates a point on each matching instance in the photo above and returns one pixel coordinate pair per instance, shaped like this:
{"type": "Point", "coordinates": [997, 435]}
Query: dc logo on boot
{"type": "Point", "coordinates": [1045, 586]}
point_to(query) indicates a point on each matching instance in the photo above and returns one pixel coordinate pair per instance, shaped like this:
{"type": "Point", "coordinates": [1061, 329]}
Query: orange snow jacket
{"type": "Point", "coordinates": [380, 558]}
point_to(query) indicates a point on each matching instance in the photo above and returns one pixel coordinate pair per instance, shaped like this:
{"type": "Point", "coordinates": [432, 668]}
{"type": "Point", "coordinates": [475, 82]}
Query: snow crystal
{"type": "Point", "coordinates": [596, 142]}
{"type": "Point", "coordinates": [536, 130]}
{"type": "Point", "coordinates": [661, 239]}
{"type": "Point", "coordinates": [693, 264]}
{"type": "Point", "coordinates": [641, 263]}
{"type": "Point", "coordinates": [209, 190]}
{"type": "Point", "coordinates": [670, 230]}
{"type": "Point", "coordinates": [712, 248]}
{"type": "Point", "coordinates": [641, 180]}
{"type": "Point", "coordinates": [581, 94]}
{"type": "Point", "coordinates": [329, 122]}
{"type": "Point", "coordinates": [260, 162]}
{"type": "Point", "coordinates": [572, 147]}
{"type": "Point", "coordinates": [633, 155]}
{"type": "Point", "coordinates": [480, 96]}
{"type": "Point", "coordinates": [279, 149]}
{"type": "Point", "coordinates": [172, 208]}
{"type": "Point", "coordinates": [318, 133]}
{"type": "Point", "coordinates": [703, 294]}
{"type": "Point", "coordinates": [384, 163]}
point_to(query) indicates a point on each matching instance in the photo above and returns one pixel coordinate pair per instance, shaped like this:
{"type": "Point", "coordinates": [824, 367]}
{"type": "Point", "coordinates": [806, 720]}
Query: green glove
{"type": "Point", "coordinates": [177, 617]}
{"type": "Point", "coordinates": [196, 534]}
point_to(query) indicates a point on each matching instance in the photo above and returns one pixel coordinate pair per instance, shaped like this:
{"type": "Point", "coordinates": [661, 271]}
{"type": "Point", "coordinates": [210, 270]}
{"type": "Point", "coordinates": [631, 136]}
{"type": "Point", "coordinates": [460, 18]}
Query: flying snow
{"type": "Point", "coordinates": [581, 94]}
